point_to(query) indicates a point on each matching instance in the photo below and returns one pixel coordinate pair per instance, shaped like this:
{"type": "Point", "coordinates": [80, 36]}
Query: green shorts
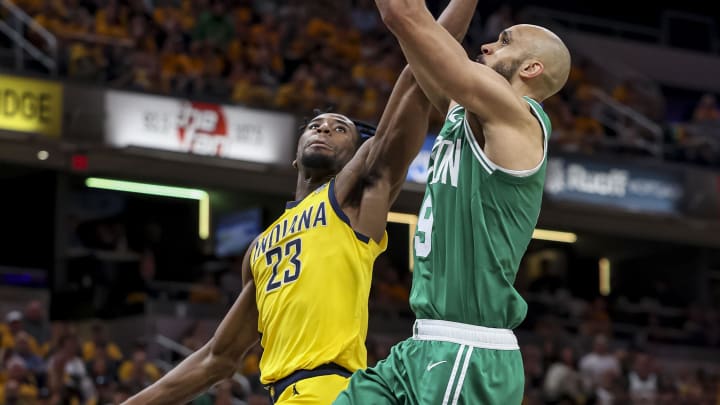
{"type": "Point", "coordinates": [444, 363]}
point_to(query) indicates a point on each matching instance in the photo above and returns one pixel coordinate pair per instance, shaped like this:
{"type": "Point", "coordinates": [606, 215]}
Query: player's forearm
{"type": "Point", "coordinates": [456, 20]}
{"type": "Point", "coordinates": [215, 361]}
{"type": "Point", "coordinates": [237, 332]}
{"type": "Point", "coordinates": [438, 61]}
{"type": "Point", "coordinates": [457, 16]}
{"type": "Point", "coordinates": [392, 11]}
{"type": "Point", "coordinates": [190, 378]}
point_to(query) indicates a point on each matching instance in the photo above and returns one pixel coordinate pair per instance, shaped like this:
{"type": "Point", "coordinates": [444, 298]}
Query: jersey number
{"type": "Point", "coordinates": [424, 229]}
{"type": "Point", "coordinates": [275, 256]}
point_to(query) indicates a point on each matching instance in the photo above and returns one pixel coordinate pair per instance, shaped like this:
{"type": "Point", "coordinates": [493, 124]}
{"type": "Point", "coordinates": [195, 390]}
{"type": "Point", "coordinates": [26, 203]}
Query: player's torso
{"type": "Point", "coordinates": [313, 274]}
{"type": "Point", "coordinates": [473, 228]}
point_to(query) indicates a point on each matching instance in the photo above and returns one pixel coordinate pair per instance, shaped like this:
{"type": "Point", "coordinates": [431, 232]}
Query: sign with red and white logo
{"type": "Point", "coordinates": [200, 128]}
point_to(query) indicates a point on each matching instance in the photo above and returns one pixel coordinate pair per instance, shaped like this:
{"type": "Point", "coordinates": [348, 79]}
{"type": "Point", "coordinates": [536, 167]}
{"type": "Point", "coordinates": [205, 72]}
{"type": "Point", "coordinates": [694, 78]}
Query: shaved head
{"type": "Point", "coordinates": [550, 50]}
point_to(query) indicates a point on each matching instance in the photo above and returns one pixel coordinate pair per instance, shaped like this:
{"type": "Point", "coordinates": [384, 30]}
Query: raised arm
{"type": "Point", "coordinates": [456, 19]}
{"type": "Point", "coordinates": [400, 133]}
{"type": "Point", "coordinates": [403, 125]}
{"type": "Point", "coordinates": [216, 360]}
{"type": "Point", "coordinates": [442, 66]}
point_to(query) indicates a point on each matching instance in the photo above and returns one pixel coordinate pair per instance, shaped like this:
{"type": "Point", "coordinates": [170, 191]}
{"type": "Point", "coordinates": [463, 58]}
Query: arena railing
{"type": "Point", "coordinates": [592, 24]}
{"type": "Point", "coordinates": [613, 112]}
{"type": "Point", "coordinates": [183, 351]}
{"type": "Point", "coordinates": [15, 27]}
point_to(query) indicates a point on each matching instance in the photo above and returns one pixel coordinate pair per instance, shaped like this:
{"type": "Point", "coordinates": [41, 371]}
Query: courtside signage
{"type": "Point", "coordinates": [33, 106]}
{"type": "Point", "coordinates": [620, 186]}
{"type": "Point", "coordinates": [200, 128]}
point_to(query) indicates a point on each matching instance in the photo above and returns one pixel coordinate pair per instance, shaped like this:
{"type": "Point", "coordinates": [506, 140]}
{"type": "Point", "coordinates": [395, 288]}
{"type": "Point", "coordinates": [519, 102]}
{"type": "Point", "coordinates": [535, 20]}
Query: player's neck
{"type": "Point", "coordinates": [523, 90]}
{"type": "Point", "coordinates": [307, 182]}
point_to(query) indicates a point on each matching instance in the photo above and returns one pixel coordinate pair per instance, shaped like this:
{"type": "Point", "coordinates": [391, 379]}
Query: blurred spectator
{"type": "Point", "coordinates": [20, 386]}
{"type": "Point", "coordinates": [590, 131]}
{"type": "Point", "coordinates": [138, 372]}
{"type": "Point", "coordinates": [14, 321]}
{"type": "Point", "coordinates": [689, 387]}
{"type": "Point", "coordinates": [563, 383]}
{"type": "Point", "coordinates": [100, 343]}
{"type": "Point", "coordinates": [599, 366]}
{"type": "Point", "coordinates": [643, 381]}
{"type": "Point", "coordinates": [205, 290]}
{"type": "Point", "coordinates": [215, 26]}
{"type": "Point", "coordinates": [597, 319]}
{"type": "Point", "coordinates": [35, 321]}
{"type": "Point", "coordinates": [34, 363]}
{"type": "Point", "coordinates": [67, 374]}
{"type": "Point", "coordinates": [102, 370]}
{"type": "Point", "coordinates": [707, 110]}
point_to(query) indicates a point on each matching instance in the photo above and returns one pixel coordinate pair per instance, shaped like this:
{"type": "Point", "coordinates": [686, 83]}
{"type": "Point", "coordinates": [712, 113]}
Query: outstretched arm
{"type": "Point", "coordinates": [442, 66]}
{"type": "Point", "coordinates": [456, 19]}
{"type": "Point", "coordinates": [402, 129]}
{"type": "Point", "coordinates": [399, 136]}
{"type": "Point", "coordinates": [403, 125]}
{"type": "Point", "coordinates": [216, 360]}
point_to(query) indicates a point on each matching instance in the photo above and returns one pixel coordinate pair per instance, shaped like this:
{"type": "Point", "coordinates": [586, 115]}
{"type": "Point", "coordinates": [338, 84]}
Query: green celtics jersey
{"type": "Point", "coordinates": [474, 226]}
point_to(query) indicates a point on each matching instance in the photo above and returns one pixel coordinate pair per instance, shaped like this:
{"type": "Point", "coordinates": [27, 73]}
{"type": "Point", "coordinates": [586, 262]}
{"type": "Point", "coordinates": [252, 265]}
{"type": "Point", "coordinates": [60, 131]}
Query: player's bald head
{"type": "Point", "coordinates": [551, 51]}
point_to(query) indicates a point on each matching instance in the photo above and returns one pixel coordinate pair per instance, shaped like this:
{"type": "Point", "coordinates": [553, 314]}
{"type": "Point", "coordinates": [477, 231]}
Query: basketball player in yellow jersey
{"type": "Point", "coordinates": [307, 276]}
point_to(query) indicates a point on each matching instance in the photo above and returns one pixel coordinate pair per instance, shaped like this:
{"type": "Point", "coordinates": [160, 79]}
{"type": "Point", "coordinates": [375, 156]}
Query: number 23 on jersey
{"type": "Point", "coordinates": [288, 255]}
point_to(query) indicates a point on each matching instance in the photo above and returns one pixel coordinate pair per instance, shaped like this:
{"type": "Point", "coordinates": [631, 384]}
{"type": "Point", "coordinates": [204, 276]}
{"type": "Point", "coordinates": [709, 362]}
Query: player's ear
{"type": "Point", "coordinates": [294, 164]}
{"type": "Point", "coordinates": [531, 68]}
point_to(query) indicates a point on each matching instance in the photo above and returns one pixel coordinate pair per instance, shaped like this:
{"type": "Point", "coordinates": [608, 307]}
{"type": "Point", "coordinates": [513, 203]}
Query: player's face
{"type": "Point", "coordinates": [503, 55]}
{"type": "Point", "coordinates": [328, 142]}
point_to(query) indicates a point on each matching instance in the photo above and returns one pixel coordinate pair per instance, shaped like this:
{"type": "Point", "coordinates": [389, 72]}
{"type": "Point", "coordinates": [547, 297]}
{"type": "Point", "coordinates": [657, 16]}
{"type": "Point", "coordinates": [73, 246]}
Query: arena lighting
{"type": "Point", "coordinates": [163, 191]}
{"type": "Point", "coordinates": [411, 220]}
{"type": "Point", "coordinates": [604, 276]}
{"type": "Point", "coordinates": [555, 236]}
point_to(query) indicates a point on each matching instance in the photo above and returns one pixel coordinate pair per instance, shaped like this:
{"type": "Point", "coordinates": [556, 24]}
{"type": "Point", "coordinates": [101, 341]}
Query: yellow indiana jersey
{"type": "Point", "coordinates": [312, 272]}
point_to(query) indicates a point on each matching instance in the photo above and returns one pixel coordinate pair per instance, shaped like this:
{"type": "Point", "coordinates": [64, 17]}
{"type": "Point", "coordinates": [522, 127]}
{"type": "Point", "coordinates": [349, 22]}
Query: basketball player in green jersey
{"type": "Point", "coordinates": [314, 332]}
{"type": "Point", "coordinates": [481, 204]}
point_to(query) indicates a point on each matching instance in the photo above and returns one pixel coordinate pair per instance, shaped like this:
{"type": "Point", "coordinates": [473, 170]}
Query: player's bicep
{"type": "Point", "coordinates": [441, 65]}
{"type": "Point", "coordinates": [237, 332]}
{"type": "Point", "coordinates": [246, 269]}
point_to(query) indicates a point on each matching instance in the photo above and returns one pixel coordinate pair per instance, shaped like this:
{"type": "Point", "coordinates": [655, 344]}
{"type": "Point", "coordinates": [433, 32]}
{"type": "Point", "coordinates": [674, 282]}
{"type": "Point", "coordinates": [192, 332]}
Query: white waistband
{"type": "Point", "coordinates": [464, 334]}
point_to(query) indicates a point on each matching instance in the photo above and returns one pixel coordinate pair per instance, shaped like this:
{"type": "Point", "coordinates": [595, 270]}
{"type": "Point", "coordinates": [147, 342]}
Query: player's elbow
{"type": "Point", "coordinates": [219, 364]}
{"type": "Point", "coordinates": [396, 15]}
{"type": "Point", "coordinates": [220, 368]}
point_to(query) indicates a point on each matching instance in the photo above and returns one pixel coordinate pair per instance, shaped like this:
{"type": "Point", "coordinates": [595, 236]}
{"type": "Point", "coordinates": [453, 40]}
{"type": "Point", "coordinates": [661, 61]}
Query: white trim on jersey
{"type": "Point", "coordinates": [475, 147]}
{"type": "Point", "coordinates": [480, 154]}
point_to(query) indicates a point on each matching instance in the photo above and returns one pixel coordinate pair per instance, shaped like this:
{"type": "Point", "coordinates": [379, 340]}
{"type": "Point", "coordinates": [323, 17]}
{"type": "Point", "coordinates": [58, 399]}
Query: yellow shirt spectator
{"type": "Point", "coordinates": [26, 393]}
{"type": "Point", "coordinates": [127, 370]}
{"type": "Point", "coordinates": [7, 341]}
{"type": "Point", "coordinates": [112, 351]}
